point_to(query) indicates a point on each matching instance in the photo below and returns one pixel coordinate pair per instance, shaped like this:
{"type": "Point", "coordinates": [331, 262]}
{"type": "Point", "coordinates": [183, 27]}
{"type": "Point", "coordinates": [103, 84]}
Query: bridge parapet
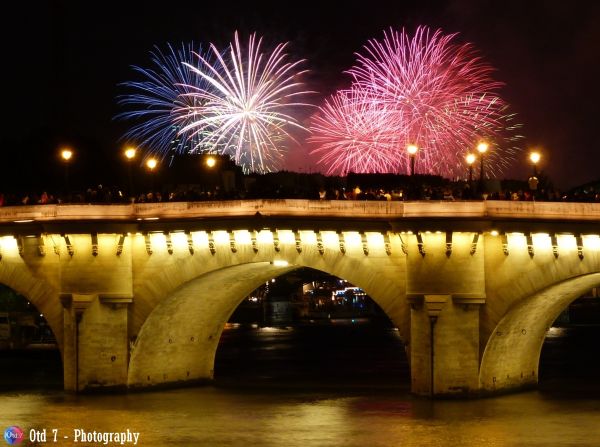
{"type": "Point", "coordinates": [490, 209]}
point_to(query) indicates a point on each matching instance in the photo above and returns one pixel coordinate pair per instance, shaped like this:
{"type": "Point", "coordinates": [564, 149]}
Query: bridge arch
{"type": "Point", "coordinates": [162, 273]}
{"type": "Point", "coordinates": [511, 356]}
{"type": "Point", "coordinates": [39, 292]}
{"type": "Point", "coordinates": [179, 339]}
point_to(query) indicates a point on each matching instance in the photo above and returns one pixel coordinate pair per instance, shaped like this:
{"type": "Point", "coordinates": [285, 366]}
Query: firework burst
{"type": "Point", "coordinates": [351, 135]}
{"type": "Point", "coordinates": [428, 91]}
{"type": "Point", "coordinates": [246, 111]}
{"type": "Point", "coordinates": [153, 100]}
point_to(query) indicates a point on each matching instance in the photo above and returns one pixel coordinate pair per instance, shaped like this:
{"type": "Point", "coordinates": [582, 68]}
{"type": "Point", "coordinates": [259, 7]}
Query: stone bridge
{"type": "Point", "coordinates": [137, 295]}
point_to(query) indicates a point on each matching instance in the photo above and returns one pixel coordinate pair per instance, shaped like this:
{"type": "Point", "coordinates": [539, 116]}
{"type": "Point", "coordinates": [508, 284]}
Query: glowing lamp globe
{"type": "Point", "coordinates": [66, 154]}
{"type": "Point", "coordinates": [211, 162]}
{"type": "Point", "coordinates": [482, 147]}
{"type": "Point", "coordinates": [535, 157]}
{"type": "Point", "coordinates": [130, 153]}
{"type": "Point", "coordinates": [151, 163]}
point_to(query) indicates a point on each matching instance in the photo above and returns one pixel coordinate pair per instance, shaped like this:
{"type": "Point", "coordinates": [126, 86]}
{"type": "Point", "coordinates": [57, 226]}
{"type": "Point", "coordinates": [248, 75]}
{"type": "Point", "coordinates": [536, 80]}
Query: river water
{"type": "Point", "coordinates": [344, 385]}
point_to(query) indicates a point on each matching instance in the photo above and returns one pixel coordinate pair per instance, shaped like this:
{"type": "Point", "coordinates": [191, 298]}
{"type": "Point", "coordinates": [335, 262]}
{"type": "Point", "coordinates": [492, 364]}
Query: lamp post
{"type": "Point", "coordinates": [213, 175]}
{"type": "Point", "coordinates": [482, 149]}
{"type": "Point", "coordinates": [151, 164]}
{"type": "Point", "coordinates": [535, 157]}
{"type": "Point", "coordinates": [470, 160]}
{"type": "Point", "coordinates": [412, 150]}
{"type": "Point", "coordinates": [66, 154]}
{"type": "Point", "coordinates": [130, 154]}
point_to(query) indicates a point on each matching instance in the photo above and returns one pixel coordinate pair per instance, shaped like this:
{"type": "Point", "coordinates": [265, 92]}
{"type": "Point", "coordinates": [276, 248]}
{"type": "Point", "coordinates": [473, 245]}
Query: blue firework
{"type": "Point", "coordinates": [167, 85]}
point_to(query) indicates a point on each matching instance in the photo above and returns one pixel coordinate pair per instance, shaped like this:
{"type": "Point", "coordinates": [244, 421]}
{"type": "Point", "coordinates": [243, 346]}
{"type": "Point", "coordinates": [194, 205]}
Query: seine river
{"type": "Point", "coordinates": [324, 386]}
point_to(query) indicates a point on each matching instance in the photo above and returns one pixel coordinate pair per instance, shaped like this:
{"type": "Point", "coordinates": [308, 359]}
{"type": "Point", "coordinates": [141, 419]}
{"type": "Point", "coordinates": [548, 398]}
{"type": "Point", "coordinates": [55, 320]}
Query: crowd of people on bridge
{"type": "Point", "coordinates": [422, 191]}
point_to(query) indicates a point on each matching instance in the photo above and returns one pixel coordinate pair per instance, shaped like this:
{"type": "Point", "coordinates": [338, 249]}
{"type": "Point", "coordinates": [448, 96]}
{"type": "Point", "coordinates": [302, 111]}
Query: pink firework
{"type": "Point", "coordinates": [351, 135]}
{"type": "Point", "coordinates": [428, 91]}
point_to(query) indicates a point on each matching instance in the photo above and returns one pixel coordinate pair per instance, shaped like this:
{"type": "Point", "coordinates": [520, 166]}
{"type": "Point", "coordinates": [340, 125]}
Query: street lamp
{"type": "Point", "coordinates": [213, 176]}
{"type": "Point", "coordinates": [211, 161]}
{"type": "Point", "coordinates": [482, 149]}
{"type": "Point", "coordinates": [535, 158]}
{"type": "Point", "coordinates": [412, 150]}
{"type": "Point", "coordinates": [130, 153]}
{"type": "Point", "coordinates": [151, 164]}
{"type": "Point", "coordinates": [66, 154]}
{"type": "Point", "coordinates": [470, 160]}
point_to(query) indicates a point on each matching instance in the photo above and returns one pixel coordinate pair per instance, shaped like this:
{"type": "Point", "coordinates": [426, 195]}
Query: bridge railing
{"type": "Point", "coordinates": [491, 209]}
{"type": "Point", "coordinates": [570, 211]}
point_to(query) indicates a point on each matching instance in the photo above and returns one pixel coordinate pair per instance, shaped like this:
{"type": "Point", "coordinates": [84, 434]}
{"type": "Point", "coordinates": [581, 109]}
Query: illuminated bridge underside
{"type": "Point", "coordinates": [192, 318]}
{"type": "Point", "coordinates": [137, 295]}
{"type": "Point", "coordinates": [511, 357]}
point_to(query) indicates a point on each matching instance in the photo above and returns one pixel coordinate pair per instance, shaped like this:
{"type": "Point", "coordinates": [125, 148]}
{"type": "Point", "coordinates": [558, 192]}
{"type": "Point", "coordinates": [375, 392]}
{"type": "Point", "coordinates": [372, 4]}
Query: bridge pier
{"type": "Point", "coordinates": [446, 286]}
{"type": "Point", "coordinates": [444, 345]}
{"type": "Point", "coordinates": [96, 352]}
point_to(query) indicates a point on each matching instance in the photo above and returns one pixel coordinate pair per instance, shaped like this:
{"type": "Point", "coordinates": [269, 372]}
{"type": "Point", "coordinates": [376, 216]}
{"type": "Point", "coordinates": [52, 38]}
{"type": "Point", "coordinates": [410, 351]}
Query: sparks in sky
{"type": "Point", "coordinates": [247, 109]}
{"type": "Point", "coordinates": [426, 90]}
{"type": "Point", "coordinates": [152, 101]}
{"type": "Point", "coordinates": [351, 135]}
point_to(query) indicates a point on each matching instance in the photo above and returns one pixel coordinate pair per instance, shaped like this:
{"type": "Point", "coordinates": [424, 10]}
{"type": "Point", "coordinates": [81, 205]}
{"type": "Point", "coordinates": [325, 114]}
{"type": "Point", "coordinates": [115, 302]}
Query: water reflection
{"type": "Point", "coordinates": [218, 417]}
{"type": "Point", "coordinates": [306, 403]}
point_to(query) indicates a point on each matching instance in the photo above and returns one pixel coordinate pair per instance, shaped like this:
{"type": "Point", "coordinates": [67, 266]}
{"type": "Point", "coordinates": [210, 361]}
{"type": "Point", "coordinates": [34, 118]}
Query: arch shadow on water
{"type": "Point", "coordinates": [570, 357]}
{"type": "Point", "coordinates": [355, 357]}
{"type": "Point", "coordinates": [311, 331]}
{"type": "Point", "coordinates": [29, 354]}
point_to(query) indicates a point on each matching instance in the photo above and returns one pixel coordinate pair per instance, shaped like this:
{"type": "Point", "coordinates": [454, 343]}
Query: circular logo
{"type": "Point", "coordinates": [13, 435]}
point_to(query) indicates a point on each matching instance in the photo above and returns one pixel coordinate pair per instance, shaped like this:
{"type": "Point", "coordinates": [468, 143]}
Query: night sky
{"type": "Point", "coordinates": [63, 61]}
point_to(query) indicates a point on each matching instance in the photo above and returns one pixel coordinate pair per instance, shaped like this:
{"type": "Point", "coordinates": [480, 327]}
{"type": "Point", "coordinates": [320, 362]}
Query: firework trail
{"type": "Point", "coordinates": [153, 101]}
{"type": "Point", "coordinates": [430, 92]}
{"type": "Point", "coordinates": [245, 113]}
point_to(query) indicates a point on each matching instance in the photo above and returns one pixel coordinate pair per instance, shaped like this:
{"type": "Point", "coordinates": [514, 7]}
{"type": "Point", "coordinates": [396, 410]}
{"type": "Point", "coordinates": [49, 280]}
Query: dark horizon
{"type": "Point", "coordinates": [65, 61]}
